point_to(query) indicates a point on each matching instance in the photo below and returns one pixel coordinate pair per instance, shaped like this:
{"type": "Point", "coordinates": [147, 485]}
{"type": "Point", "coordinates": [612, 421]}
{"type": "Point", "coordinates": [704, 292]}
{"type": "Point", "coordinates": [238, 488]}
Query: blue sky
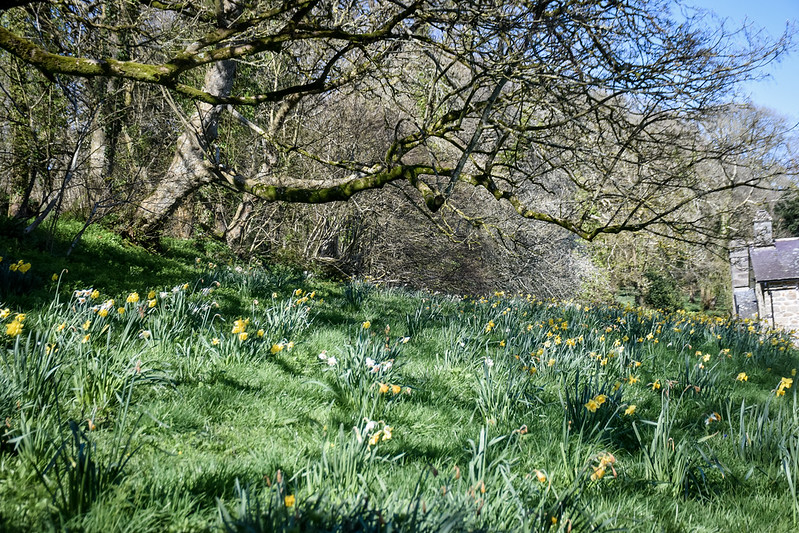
{"type": "Point", "coordinates": [781, 90]}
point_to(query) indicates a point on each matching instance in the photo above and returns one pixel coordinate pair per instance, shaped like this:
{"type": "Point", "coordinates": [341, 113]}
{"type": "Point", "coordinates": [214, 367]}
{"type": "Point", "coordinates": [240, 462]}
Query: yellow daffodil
{"type": "Point", "coordinates": [383, 388]}
{"type": "Point", "coordinates": [592, 405]}
{"type": "Point", "coordinates": [132, 298]}
{"type": "Point", "coordinates": [540, 476]}
{"type": "Point", "coordinates": [366, 325]}
{"type": "Point", "coordinates": [276, 348]}
{"type": "Point", "coordinates": [243, 336]}
{"type": "Point", "coordinates": [742, 377]}
{"type": "Point", "coordinates": [13, 328]}
{"type": "Point", "coordinates": [215, 341]}
{"type": "Point", "coordinates": [630, 410]}
{"type": "Point", "coordinates": [94, 294]}
{"type": "Point", "coordinates": [289, 500]}
{"type": "Point", "coordinates": [396, 389]}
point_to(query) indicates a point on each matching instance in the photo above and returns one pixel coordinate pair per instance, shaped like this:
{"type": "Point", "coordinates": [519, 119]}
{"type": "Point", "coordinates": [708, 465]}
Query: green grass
{"type": "Point", "coordinates": [502, 413]}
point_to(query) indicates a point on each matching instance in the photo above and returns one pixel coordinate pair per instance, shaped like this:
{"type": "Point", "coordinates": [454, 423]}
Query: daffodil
{"type": "Point", "coordinates": [132, 298]}
{"type": "Point", "coordinates": [742, 377]}
{"type": "Point", "coordinates": [540, 476]}
{"type": "Point", "coordinates": [243, 336]}
{"type": "Point", "coordinates": [630, 410]}
{"type": "Point", "coordinates": [289, 500]}
{"type": "Point", "coordinates": [13, 328]}
{"type": "Point", "coordinates": [366, 325]}
{"type": "Point", "coordinates": [592, 405]}
{"type": "Point", "coordinates": [276, 348]}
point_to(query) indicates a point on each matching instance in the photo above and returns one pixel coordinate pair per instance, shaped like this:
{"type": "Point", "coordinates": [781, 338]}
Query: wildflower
{"type": "Point", "coordinates": [630, 410]}
{"type": "Point", "coordinates": [276, 348]}
{"type": "Point", "coordinates": [240, 325]}
{"type": "Point", "coordinates": [54, 277]}
{"type": "Point", "coordinates": [13, 328]}
{"type": "Point", "coordinates": [366, 325]}
{"type": "Point", "coordinates": [151, 295]}
{"type": "Point", "coordinates": [85, 339]}
{"type": "Point", "coordinates": [243, 336]}
{"type": "Point", "coordinates": [4, 313]}
{"type": "Point", "coordinates": [592, 405]}
{"type": "Point", "coordinates": [132, 298]}
{"type": "Point", "coordinates": [215, 341]}
{"type": "Point", "coordinates": [86, 325]}
{"type": "Point", "coordinates": [656, 385]}
{"type": "Point", "coordinates": [383, 388]}
{"type": "Point", "coordinates": [185, 286]}
{"type": "Point", "coordinates": [260, 333]}
{"type": "Point", "coordinates": [94, 294]}
{"type": "Point", "coordinates": [742, 377]}
{"type": "Point", "coordinates": [374, 438]}
{"type": "Point", "coordinates": [785, 383]}
{"type": "Point", "coordinates": [151, 303]}
{"type": "Point", "coordinates": [289, 500]}
{"type": "Point", "coordinates": [395, 389]}
{"type": "Point", "coordinates": [490, 326]}
{"type": "Point", "coordinates": [540, 476]}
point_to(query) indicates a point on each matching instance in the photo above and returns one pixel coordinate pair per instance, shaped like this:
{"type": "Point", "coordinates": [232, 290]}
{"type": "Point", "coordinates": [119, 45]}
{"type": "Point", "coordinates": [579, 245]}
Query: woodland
{"type": "Point", "coordinates": [568, 148]}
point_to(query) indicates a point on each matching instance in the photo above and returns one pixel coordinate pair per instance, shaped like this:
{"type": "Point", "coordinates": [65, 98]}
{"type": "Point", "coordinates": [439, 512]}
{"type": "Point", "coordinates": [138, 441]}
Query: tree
{"type": "Point", "coordinates": [588, 114]}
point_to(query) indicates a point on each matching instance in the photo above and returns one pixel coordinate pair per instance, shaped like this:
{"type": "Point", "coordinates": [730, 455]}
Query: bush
{"type": "Point", "coordinates": [663, 292]}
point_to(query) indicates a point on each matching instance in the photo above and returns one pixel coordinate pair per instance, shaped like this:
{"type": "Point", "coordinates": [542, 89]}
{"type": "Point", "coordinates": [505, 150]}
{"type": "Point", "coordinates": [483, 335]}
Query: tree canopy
{"type": "Point", "coordinates": [599, 116]}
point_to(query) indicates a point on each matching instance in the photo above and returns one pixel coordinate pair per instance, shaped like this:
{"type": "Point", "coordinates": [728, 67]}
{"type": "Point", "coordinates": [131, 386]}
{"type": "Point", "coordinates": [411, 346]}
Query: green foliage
{"type": "Point", "coordinates": [787, 211]}
{"type": "Point", "coordinates": [662, 292]}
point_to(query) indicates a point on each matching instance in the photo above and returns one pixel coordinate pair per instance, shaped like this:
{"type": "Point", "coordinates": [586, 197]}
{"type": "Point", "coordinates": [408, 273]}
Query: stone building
{"type": "Point", "coordinates": [765, 276]}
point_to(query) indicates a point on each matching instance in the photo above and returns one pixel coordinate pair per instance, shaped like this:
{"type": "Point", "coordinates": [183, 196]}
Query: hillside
{"type": "Point", "coordinates": [145, 393]}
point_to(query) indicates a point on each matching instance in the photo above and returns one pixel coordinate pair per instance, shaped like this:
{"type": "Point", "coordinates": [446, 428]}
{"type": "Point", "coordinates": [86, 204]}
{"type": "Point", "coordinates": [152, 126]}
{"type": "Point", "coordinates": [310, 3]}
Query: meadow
{"type": "Point", "coordinates": [214, 397]}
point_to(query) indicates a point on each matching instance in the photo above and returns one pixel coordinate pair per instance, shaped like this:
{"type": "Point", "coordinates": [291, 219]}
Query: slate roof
{"type": "Point", "coordinates": [778, 262]}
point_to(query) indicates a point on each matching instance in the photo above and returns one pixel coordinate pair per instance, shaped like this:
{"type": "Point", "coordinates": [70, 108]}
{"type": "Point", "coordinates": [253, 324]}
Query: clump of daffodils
{"type": "Point", "coordinates": [596, 402]}
{"type": "Point", "coordinates": [604, 461]}
{"type": "Point", "coordinates": [370, 432]}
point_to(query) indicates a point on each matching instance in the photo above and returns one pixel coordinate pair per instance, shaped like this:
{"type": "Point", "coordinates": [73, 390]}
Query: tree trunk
{"type": "Point", "coordinates": [192, 165]}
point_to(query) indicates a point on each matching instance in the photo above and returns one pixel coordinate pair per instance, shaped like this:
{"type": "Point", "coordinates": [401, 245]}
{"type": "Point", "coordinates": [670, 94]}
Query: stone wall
{"type": "Point", "coordinates": [784, 300]}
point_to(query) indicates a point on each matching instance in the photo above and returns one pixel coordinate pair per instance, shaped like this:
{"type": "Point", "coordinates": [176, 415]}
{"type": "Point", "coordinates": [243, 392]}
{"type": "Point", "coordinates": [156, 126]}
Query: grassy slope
{"type": "Point", "coordinates": [492, 398]}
